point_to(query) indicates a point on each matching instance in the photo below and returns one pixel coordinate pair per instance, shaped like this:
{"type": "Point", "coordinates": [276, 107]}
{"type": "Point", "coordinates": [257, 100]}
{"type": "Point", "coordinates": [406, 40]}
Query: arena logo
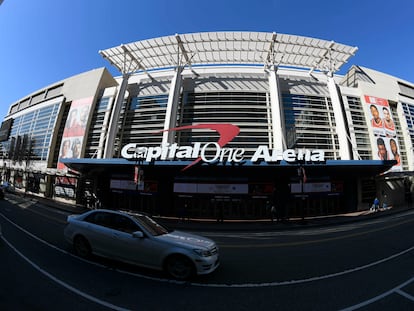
{"type": "Point", "coordinates": [215, 151]}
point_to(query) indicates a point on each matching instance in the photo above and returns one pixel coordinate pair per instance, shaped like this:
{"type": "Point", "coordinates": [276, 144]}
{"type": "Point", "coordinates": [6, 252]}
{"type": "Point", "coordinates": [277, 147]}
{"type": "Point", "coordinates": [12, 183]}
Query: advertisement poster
{"type": "Point", "coordinates": [65, 187]}
{"type": "Point", "coordinates": [75, 128]}
{"type": "Point", "coordinates": [383, 126]}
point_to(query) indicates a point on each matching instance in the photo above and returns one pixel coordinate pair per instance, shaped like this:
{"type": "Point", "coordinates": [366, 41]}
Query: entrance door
{"type": "Point", "coordinates": [134, 201]}
{"type": "Point", "coordinates": [312, 205]}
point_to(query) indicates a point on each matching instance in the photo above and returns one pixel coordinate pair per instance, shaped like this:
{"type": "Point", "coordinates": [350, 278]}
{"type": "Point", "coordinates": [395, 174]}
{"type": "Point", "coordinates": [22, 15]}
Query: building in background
{"type": "Point", "coordinates": [217, 125]}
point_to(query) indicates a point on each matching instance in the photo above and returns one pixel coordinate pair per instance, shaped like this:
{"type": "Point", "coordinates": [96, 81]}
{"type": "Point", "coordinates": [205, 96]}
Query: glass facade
{"type": "Point", "coordinates": [358, 125]}
{"type": "Point", "coordinates": [96, 129]}
{"type": "Point", "coordinates": [310, 124]}
{"type": "Point", "coordinates": [141, 119]}
{"type": "Point", "coordinates": [409, 117]}
{"type": "Point", "coordinates": [37, 127]}
{"type": "Point", "coordinates": [248, 110]}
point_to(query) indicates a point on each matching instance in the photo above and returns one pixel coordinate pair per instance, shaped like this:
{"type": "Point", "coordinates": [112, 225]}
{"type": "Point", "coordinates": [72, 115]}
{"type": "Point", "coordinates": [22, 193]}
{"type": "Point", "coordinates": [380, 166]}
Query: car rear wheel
{"type": "Point", "coordinates": [81, 247]}
{"type": "Point", "coordinates": [180, 267]}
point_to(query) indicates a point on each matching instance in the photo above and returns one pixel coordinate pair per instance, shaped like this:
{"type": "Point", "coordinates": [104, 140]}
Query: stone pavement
{"type": "Point", "coordinates": [193, 224]}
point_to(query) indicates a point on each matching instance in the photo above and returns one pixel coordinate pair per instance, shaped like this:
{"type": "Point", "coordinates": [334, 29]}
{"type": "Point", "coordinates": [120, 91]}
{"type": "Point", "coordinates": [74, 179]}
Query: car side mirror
{"type": "Point", "coordinates": [138, 234]}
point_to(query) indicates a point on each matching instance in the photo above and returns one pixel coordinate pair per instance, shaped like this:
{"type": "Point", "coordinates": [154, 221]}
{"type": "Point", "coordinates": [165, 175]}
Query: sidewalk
{"type": "Point", "coordinates": [268, 225]}
{"type": "Point", "coordinates": [194, 224]}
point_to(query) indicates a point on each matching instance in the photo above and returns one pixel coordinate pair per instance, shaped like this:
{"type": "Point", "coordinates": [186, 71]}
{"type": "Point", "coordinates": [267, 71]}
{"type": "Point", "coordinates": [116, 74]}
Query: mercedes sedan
{"type": "Point", "coordinates": [138, 239]}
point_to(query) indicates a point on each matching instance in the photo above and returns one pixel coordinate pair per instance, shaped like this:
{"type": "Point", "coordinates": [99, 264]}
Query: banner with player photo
{"type": "Point", "coordinates": [75, 129]}
{"type": "Point", "coordinates": [383, 126]}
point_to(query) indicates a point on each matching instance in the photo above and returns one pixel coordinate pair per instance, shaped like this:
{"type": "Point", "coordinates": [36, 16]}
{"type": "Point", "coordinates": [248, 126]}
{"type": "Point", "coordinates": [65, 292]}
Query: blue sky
{"type": "Point", "coordinates": [45, 41]}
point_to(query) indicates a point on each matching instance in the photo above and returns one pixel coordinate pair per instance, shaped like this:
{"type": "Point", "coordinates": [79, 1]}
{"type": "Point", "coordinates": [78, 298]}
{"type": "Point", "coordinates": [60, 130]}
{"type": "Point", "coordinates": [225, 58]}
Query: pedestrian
{"type": "Point", "coordinates": [376, 205]}
{"type": "Point", "coordinates": [384, 200]}
{"type": "Point", "coordinates": [269, 210]}
{"type": "Point", "coordinates": [273, 213]}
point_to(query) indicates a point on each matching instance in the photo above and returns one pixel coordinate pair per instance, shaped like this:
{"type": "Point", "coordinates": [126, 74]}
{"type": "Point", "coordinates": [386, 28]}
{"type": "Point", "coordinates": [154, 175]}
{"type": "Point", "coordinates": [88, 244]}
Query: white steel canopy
{"type": "Point", "coordinates": [221, 48]}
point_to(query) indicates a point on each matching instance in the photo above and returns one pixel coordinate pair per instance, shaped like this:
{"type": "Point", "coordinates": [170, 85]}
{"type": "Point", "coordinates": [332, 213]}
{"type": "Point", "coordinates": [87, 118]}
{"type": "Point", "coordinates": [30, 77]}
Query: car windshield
{"type": "Point", "coordinates": [151, 225]}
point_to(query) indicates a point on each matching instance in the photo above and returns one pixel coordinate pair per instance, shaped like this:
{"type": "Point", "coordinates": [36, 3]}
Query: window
{"type": "Point", "coordinates": [406, 90]}
{"type": "Point", "coordinates": [54, 91]}
{"type": "Point", "coordinates": [97, 129]}
{"type": "Point", "coordinates": [100, 219]}
{"type": "Point", "coordinates": [310, 123]}
{"type": "Point", "coordinates": [143, 120]}
{"type": "Point", "coordinates": [250, 111]}
{"type": "Point", "coordinates": [113, 221]}
{"type": "Point", "coordinates": [151, 225]}
{"type": "Point", "coordinates": [38, 125]}
{"type": "Point", "coordinates": [122, 223]}
{"type": "Point", "coordinates": [358, 125]}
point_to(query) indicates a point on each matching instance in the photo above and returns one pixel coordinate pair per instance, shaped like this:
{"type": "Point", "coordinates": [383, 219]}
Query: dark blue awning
{"type": "Point", "coordinates": [364, 167]}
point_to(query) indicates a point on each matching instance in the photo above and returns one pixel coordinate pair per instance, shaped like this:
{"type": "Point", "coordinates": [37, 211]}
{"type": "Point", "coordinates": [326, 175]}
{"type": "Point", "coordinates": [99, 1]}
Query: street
{"type": "Point", "coordinates": [365, 265]}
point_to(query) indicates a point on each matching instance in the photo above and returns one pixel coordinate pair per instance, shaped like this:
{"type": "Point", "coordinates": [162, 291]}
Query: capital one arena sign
{"type": "Point", "coordinates": [214, 152]}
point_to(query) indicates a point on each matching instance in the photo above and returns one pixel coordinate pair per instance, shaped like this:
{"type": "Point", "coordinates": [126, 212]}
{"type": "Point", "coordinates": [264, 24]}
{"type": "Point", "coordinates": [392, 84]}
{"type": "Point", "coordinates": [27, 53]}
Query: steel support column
{"type": "Point", "coordinates": [172, 107]}
{"type": "Point", "coordinates": [344, 150]}
{"type": "Point", "coordinates": [278, 133]}
{"type": "Point", "coordinates": [113, 124]}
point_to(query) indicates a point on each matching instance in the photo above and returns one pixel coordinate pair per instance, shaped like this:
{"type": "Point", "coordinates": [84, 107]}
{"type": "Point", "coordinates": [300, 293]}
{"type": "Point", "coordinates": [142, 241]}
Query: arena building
{"type": "Point", "coordinates": [218, 125]}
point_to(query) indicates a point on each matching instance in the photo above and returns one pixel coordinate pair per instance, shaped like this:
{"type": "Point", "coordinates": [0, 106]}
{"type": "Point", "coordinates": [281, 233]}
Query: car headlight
{"type": "Point", "coordinates": [202, 252]}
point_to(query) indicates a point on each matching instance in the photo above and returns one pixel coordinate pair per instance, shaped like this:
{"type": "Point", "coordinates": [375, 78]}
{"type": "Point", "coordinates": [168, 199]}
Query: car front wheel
{"type": "Point", "coordinates": [81, 247]}
{"type": "Point", "coordinates": [180, 267]}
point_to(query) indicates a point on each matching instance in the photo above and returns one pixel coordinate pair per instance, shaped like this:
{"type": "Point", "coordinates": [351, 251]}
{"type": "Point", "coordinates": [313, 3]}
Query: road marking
{"type": "Point", "coordinates": [22, 203]}
{"type": "Point", "coordinates": [54, 210]}
{"type": "Point", "coordinates": [283, 232]}
{"type": "Point", "coordinates": [115, 307]}
{"type": "Point", "coordinates": [302, 231]}
{"type": "Point", "coordinates": [312, 279]}
{"type": "Point", "coordinates": [227, 285]}
{"type": "Point", "coordinates": [62, 283]}
{"type": "Point", "coordinates": [13, 201]}
{"type": "Point", "coordinates": [58, 220]}
{"type": "Point", "coordinates": [383, 295]}
{"type": "Point", "coordinates": [37, 238]}
{"type": "Point", "coordinates": [406, 295]}
{"type": "Point", "coordinates": [89, 261]}
{"type": "Point", "coordinates": [26, 204]}
{"type": "Point", "coordinates": [298, 243]}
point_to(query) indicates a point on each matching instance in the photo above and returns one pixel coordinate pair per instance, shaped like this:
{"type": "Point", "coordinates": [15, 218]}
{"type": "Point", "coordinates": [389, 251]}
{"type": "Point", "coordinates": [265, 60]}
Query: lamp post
{"type": "Point", "coordinates": [302, 180]}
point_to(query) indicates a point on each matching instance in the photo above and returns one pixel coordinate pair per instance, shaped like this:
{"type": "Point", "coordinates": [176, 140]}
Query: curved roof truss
{"type": "Point", "coordinates": [222, 48]}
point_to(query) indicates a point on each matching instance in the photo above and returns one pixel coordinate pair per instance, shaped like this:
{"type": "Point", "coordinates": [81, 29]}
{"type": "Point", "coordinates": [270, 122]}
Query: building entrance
{"type": "Point", "coordinates": [245, 207]}
{"type": "Point", "coordinates": [222, 207]}
{"type": "Point", "coordinates": [135, 201]}
{"type": "Point", "coordinates": [310, 206]}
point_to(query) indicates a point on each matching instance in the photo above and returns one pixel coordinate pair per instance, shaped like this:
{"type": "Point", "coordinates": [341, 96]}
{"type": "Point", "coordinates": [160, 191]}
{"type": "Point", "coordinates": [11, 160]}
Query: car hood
{"type": "Point", "coordinates": [186, 239]}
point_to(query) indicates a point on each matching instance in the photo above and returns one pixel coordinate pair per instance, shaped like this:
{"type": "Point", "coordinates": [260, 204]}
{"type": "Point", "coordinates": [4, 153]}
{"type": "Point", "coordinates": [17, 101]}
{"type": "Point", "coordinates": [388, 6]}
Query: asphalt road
{"type": "Point", "coordinates": [365, 266]}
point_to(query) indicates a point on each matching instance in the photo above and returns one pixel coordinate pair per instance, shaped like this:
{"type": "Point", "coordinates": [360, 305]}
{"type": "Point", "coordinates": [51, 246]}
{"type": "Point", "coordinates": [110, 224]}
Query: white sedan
{"type": "Point", "coordinates": [140, 240]}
